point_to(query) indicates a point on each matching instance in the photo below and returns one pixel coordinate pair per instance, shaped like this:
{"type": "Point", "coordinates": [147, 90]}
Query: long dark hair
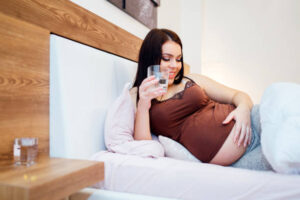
{"type": "Point", "coordinates": [151, 54]}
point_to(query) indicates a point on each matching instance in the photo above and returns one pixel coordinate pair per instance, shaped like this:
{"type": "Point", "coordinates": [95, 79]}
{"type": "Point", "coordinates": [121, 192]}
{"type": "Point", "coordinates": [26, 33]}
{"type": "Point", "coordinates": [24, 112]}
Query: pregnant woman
{"type": "Point", "coordinates": [211, 120]}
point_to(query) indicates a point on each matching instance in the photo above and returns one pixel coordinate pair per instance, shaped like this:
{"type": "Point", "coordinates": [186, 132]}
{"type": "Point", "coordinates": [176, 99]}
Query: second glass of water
{"type": "Point", "coordinates": [25, 151]}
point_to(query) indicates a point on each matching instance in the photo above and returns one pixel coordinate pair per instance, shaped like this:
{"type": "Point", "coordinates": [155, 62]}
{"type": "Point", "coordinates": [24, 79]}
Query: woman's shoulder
{"type": "Point", "coordinates": [197, 78]}
{"type": "Point", "coordinates": [133, 95]}
{"type": "Point", "coordinates": [133, 91]}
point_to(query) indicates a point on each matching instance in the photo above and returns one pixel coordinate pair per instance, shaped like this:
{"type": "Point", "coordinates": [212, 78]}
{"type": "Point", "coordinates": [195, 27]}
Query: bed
{"type": "Point", "coordinates": [61, 69]}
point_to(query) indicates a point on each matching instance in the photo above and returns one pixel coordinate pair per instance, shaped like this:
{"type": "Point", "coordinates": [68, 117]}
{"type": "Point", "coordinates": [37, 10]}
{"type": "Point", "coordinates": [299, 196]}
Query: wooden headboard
{"type": "Point", "coordinates": [25, 28]}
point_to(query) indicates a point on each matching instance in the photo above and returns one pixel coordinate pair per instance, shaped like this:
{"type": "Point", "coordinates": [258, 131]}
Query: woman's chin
{"type": "Point", "coordinates": [170, 82]}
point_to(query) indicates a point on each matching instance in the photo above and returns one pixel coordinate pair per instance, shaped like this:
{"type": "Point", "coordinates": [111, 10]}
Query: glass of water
{"type": "Point", "coordinates": [161, 74]}
{"type": "Point", "coordinates": [25, 151]}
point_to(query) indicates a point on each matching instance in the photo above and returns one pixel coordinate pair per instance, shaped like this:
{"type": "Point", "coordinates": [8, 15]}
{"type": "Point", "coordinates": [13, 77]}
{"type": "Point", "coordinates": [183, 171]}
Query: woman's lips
{"type": "Point", "coordinates": [172, 75]}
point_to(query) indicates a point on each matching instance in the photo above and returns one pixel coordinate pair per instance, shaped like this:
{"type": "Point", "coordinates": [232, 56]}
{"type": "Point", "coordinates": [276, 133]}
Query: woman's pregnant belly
{"type": "Point", "coordinates": [229, 152]}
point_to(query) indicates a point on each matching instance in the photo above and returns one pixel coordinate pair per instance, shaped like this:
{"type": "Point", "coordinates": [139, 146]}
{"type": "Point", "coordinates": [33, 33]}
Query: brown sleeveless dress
{"type": "Point", "coordinates": [191, 118]}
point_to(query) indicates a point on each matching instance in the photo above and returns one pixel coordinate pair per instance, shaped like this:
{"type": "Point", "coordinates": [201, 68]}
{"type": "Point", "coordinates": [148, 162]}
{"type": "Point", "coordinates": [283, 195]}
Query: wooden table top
{"type": "Point", "coordinates": [49, 178]}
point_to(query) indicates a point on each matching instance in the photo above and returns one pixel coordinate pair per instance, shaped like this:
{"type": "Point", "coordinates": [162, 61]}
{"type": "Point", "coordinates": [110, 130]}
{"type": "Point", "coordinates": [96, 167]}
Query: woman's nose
{"type": "Point", "coordinates": [173, 63]}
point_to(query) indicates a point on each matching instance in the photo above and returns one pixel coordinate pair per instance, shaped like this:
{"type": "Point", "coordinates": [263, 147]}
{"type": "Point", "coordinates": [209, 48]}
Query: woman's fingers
{"type": "Point", "coordinates": [250, 135]}
{"type": "Point", "coordinates": [156, 92]}
{"type": "Point", "coordinates": [233, 130]}
{"type": "Point", "coordinates": [242, 135]}
{"type": "Point", "coordinates": [237, 132]}
{"type": "Point", "coordinates": [246, 137]}
{"type": "Point", "coordinates": [241, 129]}
{"type": "Point", "coordinates": [228, 119]}
{"type": "Point", "coordinates": [148, 89]}
{"type": "Point", "coordinates": [148, 82]}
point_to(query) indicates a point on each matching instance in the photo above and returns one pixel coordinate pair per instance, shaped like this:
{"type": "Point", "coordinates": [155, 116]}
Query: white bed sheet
{"type": "Point", "coordinates": [167, 177]}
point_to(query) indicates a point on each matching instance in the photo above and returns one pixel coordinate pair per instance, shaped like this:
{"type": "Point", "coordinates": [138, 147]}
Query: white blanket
{"type": "Point", "coordinates": [280, 122]}
{"type": "Point", "coordinates": [167, 177]}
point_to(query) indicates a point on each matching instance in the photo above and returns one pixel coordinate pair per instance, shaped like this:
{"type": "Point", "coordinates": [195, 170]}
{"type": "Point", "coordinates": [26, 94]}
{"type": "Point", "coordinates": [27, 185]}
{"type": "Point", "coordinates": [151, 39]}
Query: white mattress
{"type": "Point", "coordinates": [167, 177]}
{"type": "Point", "coordinates": [96, 194]}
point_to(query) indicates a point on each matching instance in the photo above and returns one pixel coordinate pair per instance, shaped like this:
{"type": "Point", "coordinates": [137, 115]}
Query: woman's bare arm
{"type": "Point", "coordinates": [142, 124]}
{"type": "Point", "coordinates": [221, 93]}
{"type": "Point", "coordinates": [142, 118]}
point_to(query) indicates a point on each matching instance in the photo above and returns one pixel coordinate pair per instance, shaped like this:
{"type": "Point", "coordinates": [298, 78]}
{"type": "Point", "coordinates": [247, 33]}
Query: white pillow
{"type": "Point", "coordinates": [280, 122]}
{"type": "Point", "coordinates": [175, 150]}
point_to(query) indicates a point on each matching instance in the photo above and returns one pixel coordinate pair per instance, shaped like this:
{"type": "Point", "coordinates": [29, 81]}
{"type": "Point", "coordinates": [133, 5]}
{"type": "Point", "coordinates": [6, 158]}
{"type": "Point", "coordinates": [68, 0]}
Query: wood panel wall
{"type": "Point", "coordinates": [24, 84]}
{"type": "Point", "coordinates": [69, 20]}
{"type": "Point", "coordinates": [25, 27]}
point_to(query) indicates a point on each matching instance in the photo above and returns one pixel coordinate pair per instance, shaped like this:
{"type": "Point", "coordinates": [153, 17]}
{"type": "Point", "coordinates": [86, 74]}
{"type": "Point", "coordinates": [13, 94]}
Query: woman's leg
{"type": "Point", "coordinates": [254, 160]}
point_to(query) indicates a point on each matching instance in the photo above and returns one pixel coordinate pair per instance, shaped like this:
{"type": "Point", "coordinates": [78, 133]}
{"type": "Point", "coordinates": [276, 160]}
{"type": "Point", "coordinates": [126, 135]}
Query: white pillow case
{"type": "Point", "coordinates": [280, 122]}
{"type": "Point", "coordinates": [175, 150]}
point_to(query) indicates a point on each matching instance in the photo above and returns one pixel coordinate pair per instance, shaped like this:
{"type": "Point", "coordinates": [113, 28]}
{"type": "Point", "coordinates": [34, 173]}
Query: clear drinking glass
{"type": "Point", "coordinates": [25, 151]}
{"type": "Point", "coordinates": [161, 74]}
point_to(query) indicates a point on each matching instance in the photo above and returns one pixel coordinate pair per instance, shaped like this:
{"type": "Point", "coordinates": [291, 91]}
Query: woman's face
{"type": "Point", "coordinates": [171, 59]}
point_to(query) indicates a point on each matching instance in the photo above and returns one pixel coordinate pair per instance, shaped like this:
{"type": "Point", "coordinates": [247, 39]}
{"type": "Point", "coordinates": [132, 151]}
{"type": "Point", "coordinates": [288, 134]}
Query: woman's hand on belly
{"type": "Point", "coordinates": [242, 126]}
{"type": "Point", "coordinates": [229, 152]}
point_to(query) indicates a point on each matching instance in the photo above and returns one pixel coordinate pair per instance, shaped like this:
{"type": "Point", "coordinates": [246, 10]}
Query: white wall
{"type": "Point", "coordinates": [250, 44]}
{"type": "Point", "coordinates": [185, 18]}
{"type": "Point", "coordinates": [169, 15]}
{"type": "Point", "coordinates": [114, 15]}
{"type": "Point", "coordinates": [246, 44]}
{"type": "Point", "coordinates": [191, 32]}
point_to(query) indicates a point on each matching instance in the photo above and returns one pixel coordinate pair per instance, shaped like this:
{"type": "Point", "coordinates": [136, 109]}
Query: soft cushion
{"type": "Point", "coordinates": [175, 150]}
{"type": "Point", "coordinates": [280, 122]}
{"type": "Point", "coordinates": [119, 127]}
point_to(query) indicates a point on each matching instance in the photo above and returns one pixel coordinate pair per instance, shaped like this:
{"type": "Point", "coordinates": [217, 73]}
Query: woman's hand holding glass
{"type": "Point", "coordinates": [149, 91]}
{"type": "Point", "coordinates": [242, 128]}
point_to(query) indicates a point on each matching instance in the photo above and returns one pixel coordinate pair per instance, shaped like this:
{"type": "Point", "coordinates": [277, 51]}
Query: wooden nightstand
{"type": "Point", "coordinates": [49, 178]}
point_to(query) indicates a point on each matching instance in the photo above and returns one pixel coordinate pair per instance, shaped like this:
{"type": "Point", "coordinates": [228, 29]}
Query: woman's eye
{"type": "Point", "coordinates": [166, 59]}
{"type": "Point", "coordinates": [178, 60]}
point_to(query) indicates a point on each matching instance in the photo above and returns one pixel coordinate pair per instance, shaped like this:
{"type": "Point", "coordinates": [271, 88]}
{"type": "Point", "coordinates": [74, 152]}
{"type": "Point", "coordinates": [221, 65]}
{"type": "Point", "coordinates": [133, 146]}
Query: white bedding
{"type": "Point", "coordinates": [77, 113]}
{"type": "Point", "coordinates": [156, 177]}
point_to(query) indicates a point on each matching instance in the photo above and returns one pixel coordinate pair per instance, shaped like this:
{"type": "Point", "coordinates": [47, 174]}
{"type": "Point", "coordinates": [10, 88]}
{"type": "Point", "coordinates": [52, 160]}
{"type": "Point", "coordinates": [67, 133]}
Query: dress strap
{"type": "Point", "coordinates": [189, 79]}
